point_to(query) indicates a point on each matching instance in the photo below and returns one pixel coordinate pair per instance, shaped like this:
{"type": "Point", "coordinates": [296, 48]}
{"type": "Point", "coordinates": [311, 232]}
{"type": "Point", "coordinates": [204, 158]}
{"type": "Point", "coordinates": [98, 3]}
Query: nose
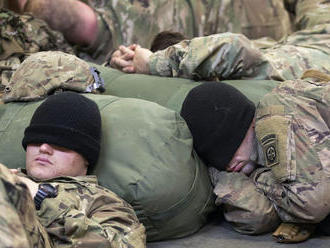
{"type": "Point", "coordinates": [46, 148]}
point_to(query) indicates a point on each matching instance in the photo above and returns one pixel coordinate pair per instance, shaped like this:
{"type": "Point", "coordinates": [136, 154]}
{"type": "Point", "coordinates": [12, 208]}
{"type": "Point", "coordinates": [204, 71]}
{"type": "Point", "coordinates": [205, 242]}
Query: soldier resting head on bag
{"type": "Point", "coordinates": [268, 164]}
{"type": "Point", "coordinates": [62, 144]}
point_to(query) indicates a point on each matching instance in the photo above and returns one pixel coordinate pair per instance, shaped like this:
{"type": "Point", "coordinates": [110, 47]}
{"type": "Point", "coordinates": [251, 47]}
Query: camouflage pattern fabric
{"type": "Point", "coordinates": [253, 18]}
{"type": "Point", "coordinates": [19, 224]}
{"type": "Point", "coordinates": [43, 73]}
{"type": "Point", "coordinates": [22, 35]}
{"type": "Point", "coordinates": [126, 22]}
{"type": "Point", "coordinates": [293, 185]}
{"type": "Point", "coordinates": [82, 215]}
{"type": "Point", "coordinates": [310, 13]}
{"type": "Point", "coordinates": [85, 215]}
{"type": "Point", "coordinates": [233, 56]}
{"type": "Point", "coordinates": [139, 21]}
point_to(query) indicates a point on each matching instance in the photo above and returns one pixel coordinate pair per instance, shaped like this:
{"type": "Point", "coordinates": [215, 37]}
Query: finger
{"type": "Point", "coordinates": [113, 63]}
{"type": "Point", "coordinates": [128, 56]}
{"type": "Point", "coordinates": [129, 69]}
{"type": "Point", "coordinates": [14, 171]}
{"type": "Point", "coordinates": [121, 63]}
{"type": "Point", "coordinates": [133, 47]}
{"type": "Point", "coordinates": [116, 53]}
{"type": "Point", "coordinates": [124, 50]}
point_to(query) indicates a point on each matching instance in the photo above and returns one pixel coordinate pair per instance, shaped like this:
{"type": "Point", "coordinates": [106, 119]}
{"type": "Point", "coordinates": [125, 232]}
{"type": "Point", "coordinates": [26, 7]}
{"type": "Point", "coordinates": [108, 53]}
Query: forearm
{"type": "Point", "coordinates": [232, 56]}
{"type": "Point", "coordinates": [224, 56]}
{"type": "Point", "coordinates": [105, 222]}
{"type": "Point", "coordinates": [246, 208]}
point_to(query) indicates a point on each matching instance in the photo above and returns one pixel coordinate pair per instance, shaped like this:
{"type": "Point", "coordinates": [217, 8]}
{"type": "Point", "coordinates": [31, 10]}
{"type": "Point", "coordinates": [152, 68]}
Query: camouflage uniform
{"type": "Point", "coordinates": [233, 56]}
{"type": "Point", "coordinates": [82, 215]}
{"type": "Point", "coordinates": [139, 21]}
{"type": "Point", "coordinates": [293, 184]}
{"type": "Point", "coordinates": [22, 35]}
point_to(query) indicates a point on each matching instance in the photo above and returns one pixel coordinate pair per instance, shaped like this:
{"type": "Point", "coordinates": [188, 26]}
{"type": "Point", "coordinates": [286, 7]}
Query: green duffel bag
{"type": "Point", "coordinates": [171, 92]}
{"type": "Point", "coordinates": [146, 158]}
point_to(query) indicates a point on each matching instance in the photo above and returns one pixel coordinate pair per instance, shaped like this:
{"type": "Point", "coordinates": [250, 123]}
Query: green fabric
{"type": "Point", "coordinates": [171, 92]}
{"type": "Point", "coordinates": [146, 155]}
{"type": "Point", "coordinates": [146, 158]}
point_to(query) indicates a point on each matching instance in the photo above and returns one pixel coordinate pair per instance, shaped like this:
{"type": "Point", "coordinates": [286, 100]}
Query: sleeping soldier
{"type": "Point", "coordinates": [52, 202]}
{"type": "Point", "coordinates": [270, 164]}
{"type": "Point", "coordinates": [233, 56]}
{"type": "Point", "coordinates": [99, 26]}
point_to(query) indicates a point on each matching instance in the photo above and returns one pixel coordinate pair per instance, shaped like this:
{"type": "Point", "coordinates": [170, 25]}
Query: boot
{"type": "Point", "coordinates": [293, 232]}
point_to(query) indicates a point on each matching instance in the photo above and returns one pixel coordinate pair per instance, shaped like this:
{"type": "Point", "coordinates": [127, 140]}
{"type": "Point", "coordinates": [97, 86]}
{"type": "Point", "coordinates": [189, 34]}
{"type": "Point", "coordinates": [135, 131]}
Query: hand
{"type": "Point", "coordinates": [14, 171]}
{"type": "Point", "coordinates": [141, 60]}
{"type": "Point", "coordinates": [246, 167]}
{"type": "Point", "coordinates": [32, 186]}
{"type": "Point", "coordinates": [123, 58]}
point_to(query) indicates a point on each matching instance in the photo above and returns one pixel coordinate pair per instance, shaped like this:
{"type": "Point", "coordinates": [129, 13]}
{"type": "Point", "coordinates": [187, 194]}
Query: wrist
{"type": "Point", "coordinates": [45, 190]}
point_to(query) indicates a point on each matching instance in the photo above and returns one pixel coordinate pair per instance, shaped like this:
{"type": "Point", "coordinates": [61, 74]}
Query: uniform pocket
{"type": "Point", "coordinates": [275, 135]}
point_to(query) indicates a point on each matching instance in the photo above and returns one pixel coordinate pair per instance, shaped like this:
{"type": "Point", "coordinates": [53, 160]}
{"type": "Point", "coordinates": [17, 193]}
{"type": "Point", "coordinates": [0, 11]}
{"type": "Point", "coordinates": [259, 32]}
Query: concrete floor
{"type": "Point", "coordinates": [218, 234]}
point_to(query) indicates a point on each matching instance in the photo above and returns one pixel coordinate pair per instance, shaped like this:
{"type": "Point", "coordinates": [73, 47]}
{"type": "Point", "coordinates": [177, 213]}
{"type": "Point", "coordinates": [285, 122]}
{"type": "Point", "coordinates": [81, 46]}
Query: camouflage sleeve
{"type": "Point", "coordinates": [224, 56]}
{"type": "Point", "coordinates": [292, 126]}
{"type": "Point", "coordinates": [19, 224]}
{"type": "Point", "coordinates": [245, 207]}
{"type": "Point", "coordinates": [83, 217]}
{"type": "Point", "coordinates": [233, 56]}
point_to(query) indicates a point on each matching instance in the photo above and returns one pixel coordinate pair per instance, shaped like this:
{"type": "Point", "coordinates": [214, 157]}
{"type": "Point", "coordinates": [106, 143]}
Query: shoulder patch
{"type": "Point", "coordinates": [270, 149]}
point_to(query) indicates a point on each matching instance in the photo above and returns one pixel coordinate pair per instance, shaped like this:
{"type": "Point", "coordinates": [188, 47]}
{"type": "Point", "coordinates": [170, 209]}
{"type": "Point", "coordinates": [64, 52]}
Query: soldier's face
{"type": "Point", "coordinates": [246, 154]}
{"type": "Point", "coordinates": [44, 161]}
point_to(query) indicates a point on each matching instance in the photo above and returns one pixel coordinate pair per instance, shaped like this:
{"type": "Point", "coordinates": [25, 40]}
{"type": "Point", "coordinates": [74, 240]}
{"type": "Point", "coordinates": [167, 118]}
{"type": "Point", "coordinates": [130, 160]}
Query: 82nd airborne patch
{"type": "Point", "coordinates": [270, 149]}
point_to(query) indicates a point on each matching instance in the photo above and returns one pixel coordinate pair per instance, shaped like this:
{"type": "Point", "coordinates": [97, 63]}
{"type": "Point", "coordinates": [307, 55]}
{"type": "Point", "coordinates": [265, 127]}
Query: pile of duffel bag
{"type": "Point", "coordinates": [147, 154]}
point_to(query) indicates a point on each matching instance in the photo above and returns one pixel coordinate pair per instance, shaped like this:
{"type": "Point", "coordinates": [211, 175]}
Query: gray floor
{"type": "Point", "coordinates": [219, 234]}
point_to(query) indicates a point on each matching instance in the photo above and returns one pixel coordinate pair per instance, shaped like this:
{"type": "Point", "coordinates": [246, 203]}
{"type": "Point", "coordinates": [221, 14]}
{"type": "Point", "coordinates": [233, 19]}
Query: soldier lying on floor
{"type": "Point", "coordinates": [287, 138]}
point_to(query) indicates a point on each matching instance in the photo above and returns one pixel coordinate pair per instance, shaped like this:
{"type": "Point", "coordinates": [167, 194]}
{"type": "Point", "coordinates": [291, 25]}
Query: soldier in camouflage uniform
{"type": "Point", "coordinates": [291, 127]}
{"type": "Point", "coordinates": [126, 21]}
{"type": "Point", "coordinates": [70, 209]}
{"type": "Point", "coordinates": [233, 56]}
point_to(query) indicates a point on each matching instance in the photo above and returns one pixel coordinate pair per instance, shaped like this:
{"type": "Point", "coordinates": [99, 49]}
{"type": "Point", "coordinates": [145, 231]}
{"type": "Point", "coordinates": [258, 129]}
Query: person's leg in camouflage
{"type": "Point", "coordinates": [19, 224]}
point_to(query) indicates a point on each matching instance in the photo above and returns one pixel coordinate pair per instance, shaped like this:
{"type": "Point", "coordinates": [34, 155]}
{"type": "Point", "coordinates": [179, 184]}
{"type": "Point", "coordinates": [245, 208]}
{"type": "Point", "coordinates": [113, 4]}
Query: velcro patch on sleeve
{"type": "Point", "coordinates": [270, 149]}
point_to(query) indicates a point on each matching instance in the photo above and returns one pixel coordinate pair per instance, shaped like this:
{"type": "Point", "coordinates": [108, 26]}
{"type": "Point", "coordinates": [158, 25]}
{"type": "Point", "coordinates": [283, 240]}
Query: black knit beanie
{"type": "Point", "coordinates": [68, 120]}
{"type": "Point", "coordinates": [218, 116]}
